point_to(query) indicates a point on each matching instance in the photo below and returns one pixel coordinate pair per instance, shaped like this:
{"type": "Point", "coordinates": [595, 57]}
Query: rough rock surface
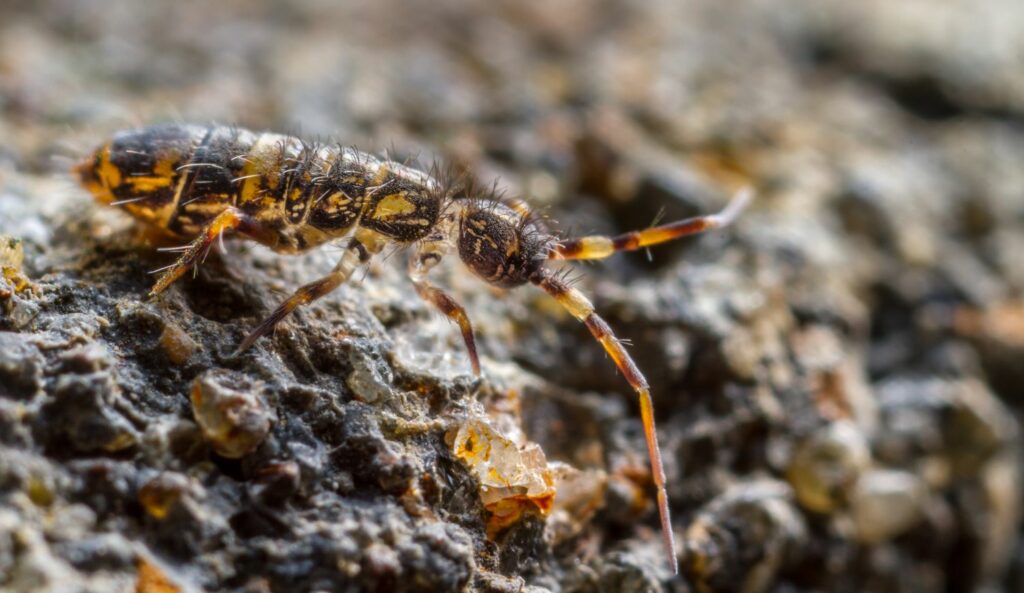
{"type": "Point", "coordinates": [838, 377]}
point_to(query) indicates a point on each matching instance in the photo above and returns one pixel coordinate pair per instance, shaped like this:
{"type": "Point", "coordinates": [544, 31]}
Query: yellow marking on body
{"type": "Point", "coordinates": [165, 165]}
{"type": "Point", "coordinates": [101, 193]}
{"type": "Point", "coordinates": [161, 177]}
{"type": "Point", "coordinates": [335, 202]}
{"type": "Point", "coordinates": [100, 176]}
{"type": "Point", "coordinates": [148, 184]}
{"type": "Point", "coordinates": [213, 204]}
{"type": "Point", "coordinates": [381, 173]}
{"type": "Point", "coordinates": [481, 238]}
{"type": "Point", "coordinates": [142, 212]}
{"type": "Point", "coordinates": [294, 196]}
{"type": "Point", "coordinates": [520, 207]}
{"type": "Point", "coordinates": [268, 214]}
{"type": "Point", "coordinates": [108, 173]}
{"type": "Point", "coordinates": [260, 162]}
{"type": "Point", "coordinates": [393, 206]}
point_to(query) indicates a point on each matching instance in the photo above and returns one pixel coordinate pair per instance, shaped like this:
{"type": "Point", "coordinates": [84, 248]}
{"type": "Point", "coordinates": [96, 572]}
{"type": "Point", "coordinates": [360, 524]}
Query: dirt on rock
{"type": "Point", "coordinates": [837, 376]}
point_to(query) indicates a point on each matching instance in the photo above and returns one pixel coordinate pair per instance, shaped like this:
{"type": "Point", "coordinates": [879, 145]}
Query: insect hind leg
{"type": "Point", "coordinates": [230, 220]}
{"type": "Point", "coordinates": [358, 252]}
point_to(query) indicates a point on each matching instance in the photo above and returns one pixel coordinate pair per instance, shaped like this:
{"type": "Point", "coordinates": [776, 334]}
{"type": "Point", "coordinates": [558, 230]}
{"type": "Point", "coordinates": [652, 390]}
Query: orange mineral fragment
{"type": "Point", "coordinates": [513, 479]}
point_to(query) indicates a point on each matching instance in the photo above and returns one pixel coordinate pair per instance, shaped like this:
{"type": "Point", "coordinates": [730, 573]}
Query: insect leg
{"type": "Point", "coordinates": [426, 257]}
{"type": "Point", "coordinates": [360, 249]}
{"type": "Point", "coordinates": [601, 246]}
{"type": "Point", "coordinates": [581, 308]}
{"type": "Point", "coordinates": [227, 221]}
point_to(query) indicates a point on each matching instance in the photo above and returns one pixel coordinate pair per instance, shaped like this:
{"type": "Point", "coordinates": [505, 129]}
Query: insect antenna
{"type": "Point", "coordinates": [602, 246]}
{"type": "Point", "coordinates": [581, 308]}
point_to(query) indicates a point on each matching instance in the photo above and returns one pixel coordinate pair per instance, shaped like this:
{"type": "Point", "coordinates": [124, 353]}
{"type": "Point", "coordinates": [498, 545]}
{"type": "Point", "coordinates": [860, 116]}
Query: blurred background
{"type": "Point", "coordinates": [839, 378]}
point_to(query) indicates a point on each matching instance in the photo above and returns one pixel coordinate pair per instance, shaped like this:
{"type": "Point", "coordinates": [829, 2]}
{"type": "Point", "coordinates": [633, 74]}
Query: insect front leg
{"type": "Point", "coordinates": [427, 254]}
{"type": "Point", "coordinates": [229, 220]}
{"type": "Point", "coordinates": [364, 245]}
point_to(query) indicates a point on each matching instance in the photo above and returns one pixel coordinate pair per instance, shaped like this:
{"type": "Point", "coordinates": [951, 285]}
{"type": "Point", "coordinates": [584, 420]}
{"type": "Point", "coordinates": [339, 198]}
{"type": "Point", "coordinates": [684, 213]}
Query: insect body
{"type": "Point", "coordinates": [201, 182]}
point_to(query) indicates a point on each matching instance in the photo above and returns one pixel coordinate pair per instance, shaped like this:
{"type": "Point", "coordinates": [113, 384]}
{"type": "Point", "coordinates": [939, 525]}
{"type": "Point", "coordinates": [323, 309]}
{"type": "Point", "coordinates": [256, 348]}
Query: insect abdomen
{"type": "Point", "coordinates": [208, 182]}
{"type": "Point", "coordinates": [180, 177]}
{"type": "Point", "coordinates": [139, 170]}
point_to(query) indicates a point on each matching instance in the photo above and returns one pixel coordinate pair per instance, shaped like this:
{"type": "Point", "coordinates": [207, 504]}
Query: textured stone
{"type": "Point", "coordinates": [852, 343]}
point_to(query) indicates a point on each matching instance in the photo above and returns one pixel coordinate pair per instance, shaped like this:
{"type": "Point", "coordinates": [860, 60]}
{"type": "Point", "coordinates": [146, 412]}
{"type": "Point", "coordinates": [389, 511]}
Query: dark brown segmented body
{"type": "Point", "coordinates": [180, 177]}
